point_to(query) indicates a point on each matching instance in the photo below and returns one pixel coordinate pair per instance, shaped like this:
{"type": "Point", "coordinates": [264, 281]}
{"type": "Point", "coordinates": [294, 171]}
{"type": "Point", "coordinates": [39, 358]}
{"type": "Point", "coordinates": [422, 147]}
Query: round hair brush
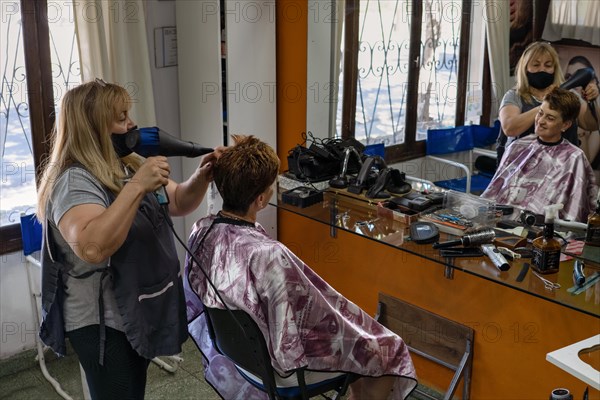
{"type": "Point", "coordinates": [474, 239]}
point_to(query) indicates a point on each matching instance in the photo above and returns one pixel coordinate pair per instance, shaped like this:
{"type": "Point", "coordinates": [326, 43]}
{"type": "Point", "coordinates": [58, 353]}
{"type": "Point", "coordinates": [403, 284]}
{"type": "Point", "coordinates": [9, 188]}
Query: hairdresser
{"type": "Point", "coordinates": [110, 275]}
{"type": "Point", "coordinates": [537, 73]}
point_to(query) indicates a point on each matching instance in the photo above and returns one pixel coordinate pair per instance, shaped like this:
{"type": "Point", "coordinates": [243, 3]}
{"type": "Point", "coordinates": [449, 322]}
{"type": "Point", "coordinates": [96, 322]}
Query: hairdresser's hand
{"type": "Point", "coordinates": [590, 93]}
{"type": "Point", "coordinates": [186, 196]}
{"type": "Point", "coordinates": [153, 174]}
{"type": "Point", "coordinates": [205, 167]}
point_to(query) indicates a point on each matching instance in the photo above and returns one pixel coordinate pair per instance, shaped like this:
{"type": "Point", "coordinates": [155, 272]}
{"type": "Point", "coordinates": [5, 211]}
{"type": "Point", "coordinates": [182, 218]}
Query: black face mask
{"type": "Point", "coordinates": [120, 145]}
{"type": "Point", "coordinates": [540, 80]}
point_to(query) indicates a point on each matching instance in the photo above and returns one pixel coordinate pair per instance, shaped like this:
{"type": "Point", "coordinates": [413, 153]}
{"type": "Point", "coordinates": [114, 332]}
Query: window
{"type": "Point", "coordinates": [400, 53]}
{"type": "Point", "coordinates": [39, 62]}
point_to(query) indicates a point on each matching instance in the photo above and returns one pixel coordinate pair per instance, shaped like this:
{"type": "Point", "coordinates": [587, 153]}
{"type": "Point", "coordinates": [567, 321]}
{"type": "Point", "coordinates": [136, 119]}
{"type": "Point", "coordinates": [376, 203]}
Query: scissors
{"type": "Point", "coordinates": [549, 285]}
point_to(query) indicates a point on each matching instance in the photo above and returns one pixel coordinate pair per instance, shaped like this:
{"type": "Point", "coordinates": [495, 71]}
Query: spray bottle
{"type": "Point", "coordinates": [546, 249]}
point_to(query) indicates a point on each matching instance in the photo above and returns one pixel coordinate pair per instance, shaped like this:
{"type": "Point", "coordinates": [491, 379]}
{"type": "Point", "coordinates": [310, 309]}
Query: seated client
{"type": "Point", "coordinates": [306, 322]}
{"type": "Point", "coordinates": [544, 169]}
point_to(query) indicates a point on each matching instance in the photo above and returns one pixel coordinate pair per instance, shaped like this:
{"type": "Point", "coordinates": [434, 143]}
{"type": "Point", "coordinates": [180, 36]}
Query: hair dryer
{"type": "Point", "coordinates": [153, 141]}
{"type": "Point", "coordinates": [581, 77]}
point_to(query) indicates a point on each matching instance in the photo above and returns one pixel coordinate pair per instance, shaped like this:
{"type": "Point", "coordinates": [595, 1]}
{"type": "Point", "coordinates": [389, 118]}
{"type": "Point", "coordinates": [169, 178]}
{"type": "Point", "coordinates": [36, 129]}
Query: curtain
{"type": "Point", "coordinates": [113, 45]}
{"type": "Point", "coordinates": [497, 28]}
{"type": "Point", "coordinates": [568, 19]}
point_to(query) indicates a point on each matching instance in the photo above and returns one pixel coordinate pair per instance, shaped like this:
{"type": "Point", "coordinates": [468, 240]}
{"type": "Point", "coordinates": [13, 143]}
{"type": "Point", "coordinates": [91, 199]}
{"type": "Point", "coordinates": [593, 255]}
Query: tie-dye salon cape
{"type": "Point", "coordinates": [533, 175]}
{"type": "Point", "coordinates": [307, 322]}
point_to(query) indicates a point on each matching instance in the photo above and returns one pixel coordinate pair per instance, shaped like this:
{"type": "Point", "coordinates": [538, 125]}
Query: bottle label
{"type": "Point", "coordinates": [546, 261]}
{"type": "Point", "coordinates": [592, 236]}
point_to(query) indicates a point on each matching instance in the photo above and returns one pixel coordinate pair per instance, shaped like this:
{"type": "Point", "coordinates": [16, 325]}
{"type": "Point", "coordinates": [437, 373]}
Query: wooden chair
{"type": "Point", "coordinates": [431, 336]}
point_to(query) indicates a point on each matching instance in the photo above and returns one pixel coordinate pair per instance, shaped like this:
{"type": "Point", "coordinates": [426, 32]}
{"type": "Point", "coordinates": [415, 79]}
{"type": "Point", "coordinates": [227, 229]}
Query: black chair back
{"type": "Point", "coordinates": [235, 335]}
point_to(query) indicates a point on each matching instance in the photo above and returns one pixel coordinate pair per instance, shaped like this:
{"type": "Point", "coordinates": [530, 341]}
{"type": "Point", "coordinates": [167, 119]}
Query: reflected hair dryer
{"type": "Point", "coordinates": [482, 237]}
{"type": "Point", "coordinates": [153, 141]}
{"type": "Point", "coordinates": [581, 77]}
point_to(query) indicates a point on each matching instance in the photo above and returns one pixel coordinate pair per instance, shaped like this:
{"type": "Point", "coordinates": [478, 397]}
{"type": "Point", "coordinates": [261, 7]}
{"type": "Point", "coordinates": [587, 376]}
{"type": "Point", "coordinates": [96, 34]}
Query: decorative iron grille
{"type": "Point", "coordinates": [17, 181]}
{"type": "Point", "coordinates": [384, 39]}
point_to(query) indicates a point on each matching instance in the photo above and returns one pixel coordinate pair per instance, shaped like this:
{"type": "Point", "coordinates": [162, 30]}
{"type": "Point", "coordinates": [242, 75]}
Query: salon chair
{"type": "Point", "coordinates": [236, 336]}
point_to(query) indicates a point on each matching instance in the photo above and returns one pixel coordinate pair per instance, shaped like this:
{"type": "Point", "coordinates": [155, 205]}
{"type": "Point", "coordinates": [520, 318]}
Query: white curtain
{"type": "Point", "coordinates": [497, 28]}
{"type": "Point", "coordinates": [568, 19]}
{"type": "Point", "coordinates": [113, 46]}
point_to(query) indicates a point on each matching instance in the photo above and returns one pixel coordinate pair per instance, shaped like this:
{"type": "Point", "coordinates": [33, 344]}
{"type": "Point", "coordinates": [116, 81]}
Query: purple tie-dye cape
{"type": "Point", "coordinates": [533, 175]}
{"type": "Point", "coordinates": [306, 321]}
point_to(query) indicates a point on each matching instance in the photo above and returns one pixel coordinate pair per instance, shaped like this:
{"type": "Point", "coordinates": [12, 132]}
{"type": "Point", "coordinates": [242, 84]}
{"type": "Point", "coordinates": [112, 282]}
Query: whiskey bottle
{"type": "Point", "coordinates": [546, 248]}
{"type": "Point", "coordinates": [592, 236]}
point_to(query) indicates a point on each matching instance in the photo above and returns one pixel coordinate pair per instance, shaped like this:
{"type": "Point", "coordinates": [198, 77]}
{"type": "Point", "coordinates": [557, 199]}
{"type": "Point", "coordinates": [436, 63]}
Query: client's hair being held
{"type": "Point", "coordinates": [244, 171]}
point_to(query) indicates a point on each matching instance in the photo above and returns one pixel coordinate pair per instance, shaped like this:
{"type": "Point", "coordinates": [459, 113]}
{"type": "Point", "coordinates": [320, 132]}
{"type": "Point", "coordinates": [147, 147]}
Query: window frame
{"type": "Point", "coordinates": [411, 148]}
{"type": "Point", "coordinates": [38, 69]}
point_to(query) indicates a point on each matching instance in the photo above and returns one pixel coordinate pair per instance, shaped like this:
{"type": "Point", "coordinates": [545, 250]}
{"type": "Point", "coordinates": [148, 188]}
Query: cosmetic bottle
{"type": "Point", "coordinates": [592, 236]}
{"type": "Point", "coordinates": [546, 248]}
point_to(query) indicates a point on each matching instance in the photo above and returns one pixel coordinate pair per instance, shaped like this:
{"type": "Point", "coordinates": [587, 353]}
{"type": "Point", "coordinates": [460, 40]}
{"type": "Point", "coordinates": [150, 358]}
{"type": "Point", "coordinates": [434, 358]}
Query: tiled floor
{"type": "Point", "coordinates": [22, 379]}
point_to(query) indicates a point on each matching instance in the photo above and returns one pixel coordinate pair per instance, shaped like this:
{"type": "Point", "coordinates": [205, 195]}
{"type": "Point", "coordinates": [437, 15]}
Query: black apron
{"type": "Point", "coordinates": [147, 284]}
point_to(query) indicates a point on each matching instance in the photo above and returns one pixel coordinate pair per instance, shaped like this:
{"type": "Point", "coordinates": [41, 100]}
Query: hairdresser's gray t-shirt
{"type": "Point", "coordinates": [511, 97]}
{"type": "Point", "coordinates": [74, 187]}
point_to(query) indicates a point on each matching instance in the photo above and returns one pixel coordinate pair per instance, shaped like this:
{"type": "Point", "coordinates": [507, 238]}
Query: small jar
{"type": "Point", "coordinates": [561, 394]}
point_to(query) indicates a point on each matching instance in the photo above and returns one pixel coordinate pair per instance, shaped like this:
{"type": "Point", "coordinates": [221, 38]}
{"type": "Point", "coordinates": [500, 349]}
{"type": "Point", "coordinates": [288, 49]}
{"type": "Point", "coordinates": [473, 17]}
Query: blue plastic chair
{"type": "Point", "coordinates": [31, 237]}
{"type": "Point", "coordinates": [471, 138]}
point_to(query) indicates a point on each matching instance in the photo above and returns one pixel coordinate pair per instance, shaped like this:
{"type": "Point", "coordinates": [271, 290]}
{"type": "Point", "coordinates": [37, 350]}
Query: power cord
{"type": "Point", "coordinates": [165, 212]}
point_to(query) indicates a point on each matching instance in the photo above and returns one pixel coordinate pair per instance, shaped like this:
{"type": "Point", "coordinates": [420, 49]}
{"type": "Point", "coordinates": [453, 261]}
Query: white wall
{"type": "Point", "coordinates": [161, 14]}
{"type": "Point", "coordinates": [18, 329]}
{"type": "Point", "coordinates": [474, 79]}
{"type": "Point", "coordinates": [200, 97]}
{"type": "Point", "coordinates": [325, 21]}
{"type": "Point", "coordinates": [251, 78]}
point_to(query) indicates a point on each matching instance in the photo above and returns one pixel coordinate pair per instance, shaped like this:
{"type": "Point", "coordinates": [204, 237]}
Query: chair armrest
{"type": "Point", "coordinates": [34, 261]}
{"type": "Point", "coordinates": [457, 165]}
{"type": "Point", "coordinates": [423, 182]}
{"type": "Point", "coordinates": [485, 152]}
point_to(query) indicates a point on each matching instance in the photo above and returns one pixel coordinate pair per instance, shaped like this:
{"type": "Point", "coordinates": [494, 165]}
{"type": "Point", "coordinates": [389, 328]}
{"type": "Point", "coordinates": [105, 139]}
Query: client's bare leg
{"type": "Point", "coordinates": [371, 388]}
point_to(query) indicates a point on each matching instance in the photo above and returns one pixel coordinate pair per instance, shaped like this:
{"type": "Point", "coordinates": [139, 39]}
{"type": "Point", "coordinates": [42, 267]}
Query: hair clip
{"type": "Point", "coordinates": [100, 82]}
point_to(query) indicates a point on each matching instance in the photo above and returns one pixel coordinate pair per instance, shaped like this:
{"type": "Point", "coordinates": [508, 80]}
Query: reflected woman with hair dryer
{"type": "Point", "coordinates": [537, 73]}
{"type": "Point", "coordinates": [590, 138]}
{"type": "Point", "coordinates": [111, 278]}
{"type": "Point", "coordinates": [545, 169]}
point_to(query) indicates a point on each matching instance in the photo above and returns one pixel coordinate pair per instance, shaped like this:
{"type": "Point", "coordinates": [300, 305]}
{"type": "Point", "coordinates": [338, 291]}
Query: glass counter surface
{"type": "Point", "coordinates": [340, 210]}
